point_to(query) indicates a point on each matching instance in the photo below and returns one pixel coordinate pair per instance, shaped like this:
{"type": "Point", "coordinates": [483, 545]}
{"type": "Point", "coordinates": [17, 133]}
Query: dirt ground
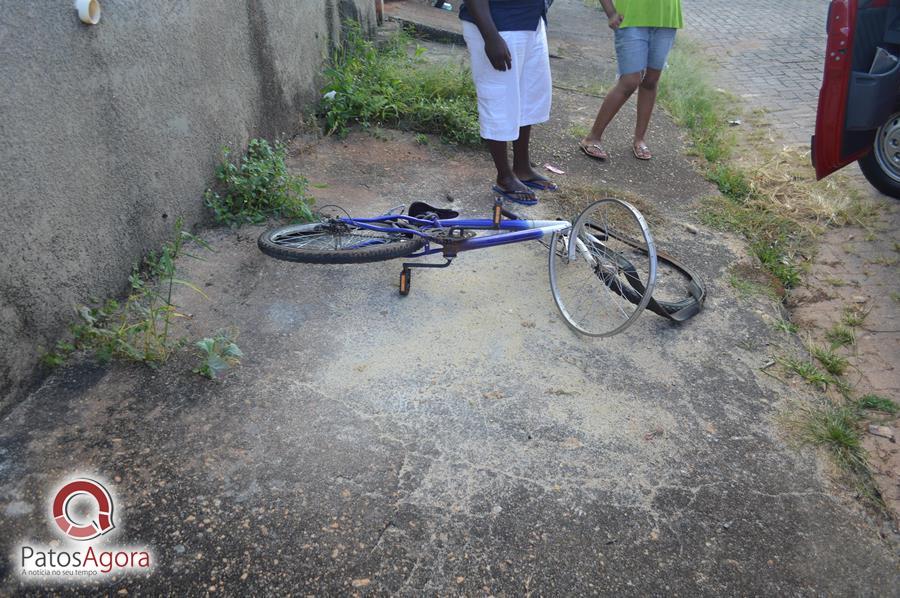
{"type": "Point", "coordinates": [857, 269]}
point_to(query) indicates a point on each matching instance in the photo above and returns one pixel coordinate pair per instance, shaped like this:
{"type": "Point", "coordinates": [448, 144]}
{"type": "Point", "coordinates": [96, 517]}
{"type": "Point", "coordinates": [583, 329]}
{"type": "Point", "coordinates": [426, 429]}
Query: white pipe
{"type": "Point", "coordinates": [88, 11]}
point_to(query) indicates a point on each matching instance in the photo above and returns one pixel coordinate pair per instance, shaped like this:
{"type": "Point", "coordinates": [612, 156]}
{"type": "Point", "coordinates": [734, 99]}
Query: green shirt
{"type": "Point", "coordinates": [650, 13]}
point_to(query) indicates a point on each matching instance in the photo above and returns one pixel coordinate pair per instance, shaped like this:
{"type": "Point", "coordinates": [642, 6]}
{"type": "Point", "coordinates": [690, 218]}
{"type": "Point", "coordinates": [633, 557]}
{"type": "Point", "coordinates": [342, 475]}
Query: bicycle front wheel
{"type": "Point", "coordinates": [336, 242]}
{"type": "Point", "coordinates": [603, 269]}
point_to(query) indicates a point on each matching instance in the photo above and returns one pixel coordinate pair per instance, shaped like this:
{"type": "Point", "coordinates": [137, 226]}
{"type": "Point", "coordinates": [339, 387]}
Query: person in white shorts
{"type": "Point", "coordinates": [507, 41]}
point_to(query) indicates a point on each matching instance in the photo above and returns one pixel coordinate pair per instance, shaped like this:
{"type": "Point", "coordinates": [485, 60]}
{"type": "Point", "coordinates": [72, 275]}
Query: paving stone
{"type": "Point", "coordinates": [770, 52]}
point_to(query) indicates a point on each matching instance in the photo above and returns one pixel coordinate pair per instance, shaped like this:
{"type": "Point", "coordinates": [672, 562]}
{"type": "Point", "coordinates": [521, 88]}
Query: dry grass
{"type": "Point", "coordinates": [785, 179]}
{"type": "Point", "coordinates": [572, 199]}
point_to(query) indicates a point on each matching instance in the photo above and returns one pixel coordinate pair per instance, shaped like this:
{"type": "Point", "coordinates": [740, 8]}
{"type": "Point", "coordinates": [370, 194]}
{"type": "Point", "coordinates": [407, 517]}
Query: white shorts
{"type": "Point", "coordinates": [516, 97]}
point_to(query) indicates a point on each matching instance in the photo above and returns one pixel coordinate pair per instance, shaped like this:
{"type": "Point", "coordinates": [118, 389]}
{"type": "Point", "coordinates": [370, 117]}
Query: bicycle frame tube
{"type": "Point", "coordinates": [515, 231]}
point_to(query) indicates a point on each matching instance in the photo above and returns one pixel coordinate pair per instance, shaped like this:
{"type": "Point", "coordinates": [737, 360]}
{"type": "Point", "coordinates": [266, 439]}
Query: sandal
{"type": "Point", "coordinates": [525, 198]}
{"type": "Point", "coordinates": [595, 151]}
{"type": "Point", "coordinates": [641, 151]}
{"type": "Point", "coordinates": [541, 184]}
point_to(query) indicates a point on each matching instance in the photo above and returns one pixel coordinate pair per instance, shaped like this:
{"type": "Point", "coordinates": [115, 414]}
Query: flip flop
{"type": "Point", "coordinates": [529, 198]}
{"type": "Point", "coordinates": [641, 151]}
{"type": "Point", "coordinates": [541, 184]}
{"type": "Point", "coordinates": [598, 149]}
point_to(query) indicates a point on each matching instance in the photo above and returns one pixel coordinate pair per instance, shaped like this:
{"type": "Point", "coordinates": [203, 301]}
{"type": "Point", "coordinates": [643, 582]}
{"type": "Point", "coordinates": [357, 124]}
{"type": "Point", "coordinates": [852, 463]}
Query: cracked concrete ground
{"type": "Point", "coordinates": [460, 440]}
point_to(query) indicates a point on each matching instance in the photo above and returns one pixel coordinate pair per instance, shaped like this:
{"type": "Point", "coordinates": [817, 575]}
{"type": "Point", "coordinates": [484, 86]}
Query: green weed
{"type": "Point", "coordinates": [732, 183]}
{"type": "Point", "coordinates": [388, 86]}
{"type": "Point", "coordinates": [808, 371]}
{"type": "Point", "coordinates": [840, 336]}
{"type": "Point", "coordinates": [835, 427]}
{"type": "Point", "coordinates": [854, 316]}
{"type": "Point", "coordinates": [218, 354]}
{"type": "Point", "coordinates": [579, 131]}
{"type": "Point", "coordinates": [833, 363]}
{"type": "Point", "coordinates": [786, 326]}
{"type": "Point", "coordinates": [58, 355]}
{"type": "Point", "coordinates": [877, 403]}
{"type": "Point", "coordinates": [774, 239]}
{"type": "Point", "coordinates": [748, 288]}
{"type": "Point", "coordinates": [140, 328]}
{"type": "Point", "coordinates": [257, 187]}
{"type": "Point", "coordinates": [686, 93]}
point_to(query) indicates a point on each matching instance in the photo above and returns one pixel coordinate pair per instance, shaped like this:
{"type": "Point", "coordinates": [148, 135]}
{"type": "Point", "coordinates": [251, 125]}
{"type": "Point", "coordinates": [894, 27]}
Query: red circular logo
{"type": "Point", "coordinates": [80, 530]}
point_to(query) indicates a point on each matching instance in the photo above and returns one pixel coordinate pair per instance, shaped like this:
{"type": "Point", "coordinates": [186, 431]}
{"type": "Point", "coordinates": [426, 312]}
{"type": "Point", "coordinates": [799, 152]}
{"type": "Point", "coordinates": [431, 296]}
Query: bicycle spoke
{"type": "Point", "coordinates": [611, 261]}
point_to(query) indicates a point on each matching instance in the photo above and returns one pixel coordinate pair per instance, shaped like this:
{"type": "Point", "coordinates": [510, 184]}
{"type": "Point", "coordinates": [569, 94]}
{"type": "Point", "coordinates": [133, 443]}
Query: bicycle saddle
{"type": "Point", "coordinates": [420, 209]}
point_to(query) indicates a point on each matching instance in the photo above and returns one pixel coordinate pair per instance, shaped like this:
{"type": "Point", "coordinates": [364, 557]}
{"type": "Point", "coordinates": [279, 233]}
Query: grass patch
{"type": "Point", "coordinates": [579, 131]}
{"type": "Point", "coordinates": [748, 288]}
{"type": "Point", "coordinates": [393, 85]}
{"type": "Point", "coordinates": [142, 327]}
{"type": "Point", "coordinates": [786, 326]}
{"type": "Point", "coordinates": [769, 197]}
{"type": "Point", "coordinates": [258, 186]}
{"type": "Point", "coordinates": [854, 316]}
{"type": "Point", "coordinates": [835, 427]}
{"type": "Point", "coordinates": [840, 336]}
{"type": "Point", "coordinates": [808, 371]}
{"type": "Point", "coordinates": [833, 363]}
{"type": "Point", "coordinates": [877, 403]}
{"type": "Point", "coordinates": [571, 199]}
{"type": "Point", "coordinates": [694, 104]}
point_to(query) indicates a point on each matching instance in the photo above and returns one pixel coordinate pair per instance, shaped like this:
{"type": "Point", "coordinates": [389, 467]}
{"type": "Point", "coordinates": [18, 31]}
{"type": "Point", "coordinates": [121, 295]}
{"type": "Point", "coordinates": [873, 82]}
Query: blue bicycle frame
{"type": "Point", "coordinates": [515, 231]}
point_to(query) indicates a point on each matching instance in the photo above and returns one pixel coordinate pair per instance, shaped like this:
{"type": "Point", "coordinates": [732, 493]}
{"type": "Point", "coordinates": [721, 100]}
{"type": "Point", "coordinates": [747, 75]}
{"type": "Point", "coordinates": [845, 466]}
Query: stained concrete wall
{"type": "Point", "coordinates": [109, 132]}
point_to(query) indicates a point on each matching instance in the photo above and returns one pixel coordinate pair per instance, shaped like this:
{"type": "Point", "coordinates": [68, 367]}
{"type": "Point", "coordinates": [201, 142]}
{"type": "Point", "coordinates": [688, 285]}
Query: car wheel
{"type": "Point", "coordinates": [882, 165]}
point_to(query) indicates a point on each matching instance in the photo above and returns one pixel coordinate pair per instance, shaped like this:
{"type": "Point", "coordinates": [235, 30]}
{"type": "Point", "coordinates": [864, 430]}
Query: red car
{"type": "Point", "coordinates": [859, 103]}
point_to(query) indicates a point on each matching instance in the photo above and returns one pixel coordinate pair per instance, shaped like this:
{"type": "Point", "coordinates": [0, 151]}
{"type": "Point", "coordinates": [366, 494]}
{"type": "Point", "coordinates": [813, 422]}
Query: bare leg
{"type": "Point", "coordinates": [612, 103]}
{"type": "Point", "coordinates": [522, 159]}
{"type": "Point", "coordinates": [645, 102]}
{"type": "Point", "coordinates": [506, 179]}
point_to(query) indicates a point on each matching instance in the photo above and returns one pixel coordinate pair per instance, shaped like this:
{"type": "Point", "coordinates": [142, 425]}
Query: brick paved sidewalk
{"type": "Point", "coordinates": [771, 54]}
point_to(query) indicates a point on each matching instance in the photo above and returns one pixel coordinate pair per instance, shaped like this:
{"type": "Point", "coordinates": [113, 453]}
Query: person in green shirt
{"type": "Point", "coordinates": [645, 31]}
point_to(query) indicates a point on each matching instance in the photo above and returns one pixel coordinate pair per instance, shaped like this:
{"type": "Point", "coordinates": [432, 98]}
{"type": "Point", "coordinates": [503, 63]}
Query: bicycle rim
{"type": "Point", "coordinates": [603, 269]}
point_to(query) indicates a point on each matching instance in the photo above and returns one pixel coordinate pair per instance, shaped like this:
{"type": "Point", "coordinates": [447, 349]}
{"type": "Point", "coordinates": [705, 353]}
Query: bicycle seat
{"type": "Point", "coordinates": [420, 209]}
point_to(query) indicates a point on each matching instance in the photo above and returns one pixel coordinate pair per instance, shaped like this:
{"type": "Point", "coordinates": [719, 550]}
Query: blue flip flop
{"type": "Point", "coordinates": [541, 184]}
{"type": "Point", "coordinates": [515, 196]}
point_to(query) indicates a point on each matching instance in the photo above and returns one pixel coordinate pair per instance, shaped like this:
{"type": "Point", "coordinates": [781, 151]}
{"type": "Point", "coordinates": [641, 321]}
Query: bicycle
{"type": "Point", "coordinates": [603, 267]}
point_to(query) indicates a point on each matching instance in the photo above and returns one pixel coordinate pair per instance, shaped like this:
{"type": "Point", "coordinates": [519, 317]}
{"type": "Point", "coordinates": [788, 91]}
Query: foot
{"type": "Point", "coordinates": [515, 190]}
{"type": "Point", "coordinates": [593, 149]}
{"type": "Point", "coordinates": [535, 180]}
{"type": "Point", "coordinates": [641, 151]}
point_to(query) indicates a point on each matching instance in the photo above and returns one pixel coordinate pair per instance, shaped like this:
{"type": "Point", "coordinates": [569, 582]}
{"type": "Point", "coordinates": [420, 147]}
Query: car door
{"type": "Point", "coordinates": [829, 152]}
{"type": "Point", "coordinates": [854, 101]}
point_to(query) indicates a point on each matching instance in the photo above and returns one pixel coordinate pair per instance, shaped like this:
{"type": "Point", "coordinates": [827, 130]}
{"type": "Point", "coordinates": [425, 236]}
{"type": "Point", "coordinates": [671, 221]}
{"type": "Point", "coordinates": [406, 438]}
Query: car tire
{"type": "Point", "coordinates": [879, 166]}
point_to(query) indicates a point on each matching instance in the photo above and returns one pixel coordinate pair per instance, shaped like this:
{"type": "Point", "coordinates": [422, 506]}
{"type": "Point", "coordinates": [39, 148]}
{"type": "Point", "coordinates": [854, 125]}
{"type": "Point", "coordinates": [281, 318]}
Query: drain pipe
{"type": "Point", "coordinates": [88, 11]}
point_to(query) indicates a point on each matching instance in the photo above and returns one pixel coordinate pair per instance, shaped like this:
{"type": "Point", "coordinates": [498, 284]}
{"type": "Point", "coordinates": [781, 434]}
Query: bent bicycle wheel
{"type": "Point", "coordinates": [603, 269]}
{"type": "Point", "coordinates": [336, 242]}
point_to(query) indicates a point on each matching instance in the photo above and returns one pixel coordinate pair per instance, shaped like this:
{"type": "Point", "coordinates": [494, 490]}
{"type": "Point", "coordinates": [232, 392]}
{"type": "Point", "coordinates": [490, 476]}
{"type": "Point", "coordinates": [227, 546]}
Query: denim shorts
{"type": "Point", "coordinates": [639, 48]}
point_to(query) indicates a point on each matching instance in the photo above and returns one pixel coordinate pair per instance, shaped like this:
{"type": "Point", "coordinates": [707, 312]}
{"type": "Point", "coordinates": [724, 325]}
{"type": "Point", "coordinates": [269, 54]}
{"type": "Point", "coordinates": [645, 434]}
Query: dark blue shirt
{"type": "Point", "coordinates": [513, 15]}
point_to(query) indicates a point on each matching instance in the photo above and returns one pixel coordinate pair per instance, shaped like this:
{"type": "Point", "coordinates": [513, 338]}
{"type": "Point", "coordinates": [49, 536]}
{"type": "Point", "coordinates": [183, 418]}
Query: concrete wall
{"type": "Point", "coordinates": [108, 132]}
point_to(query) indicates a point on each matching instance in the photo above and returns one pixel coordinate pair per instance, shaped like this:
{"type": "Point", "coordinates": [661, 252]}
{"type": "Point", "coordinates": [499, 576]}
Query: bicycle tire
{"type": "Point", "coordinates": [283, 243]}
{"type": "Point", "coordinates": [635, 289]}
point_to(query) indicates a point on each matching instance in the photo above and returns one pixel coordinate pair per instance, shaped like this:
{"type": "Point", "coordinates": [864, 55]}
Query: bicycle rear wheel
{"type": "Point", "coordinates": [336, 242]}
{"type": "Point", "coordinates": [603, 269]}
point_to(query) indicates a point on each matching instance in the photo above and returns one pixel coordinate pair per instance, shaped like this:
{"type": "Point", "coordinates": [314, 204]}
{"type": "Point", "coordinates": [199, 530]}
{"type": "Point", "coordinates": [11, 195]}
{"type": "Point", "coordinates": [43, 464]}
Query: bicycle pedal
{"type": "Point", "coordinates": [498, 212]}
{"type": "Point", "coordinates": [405, 279]}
